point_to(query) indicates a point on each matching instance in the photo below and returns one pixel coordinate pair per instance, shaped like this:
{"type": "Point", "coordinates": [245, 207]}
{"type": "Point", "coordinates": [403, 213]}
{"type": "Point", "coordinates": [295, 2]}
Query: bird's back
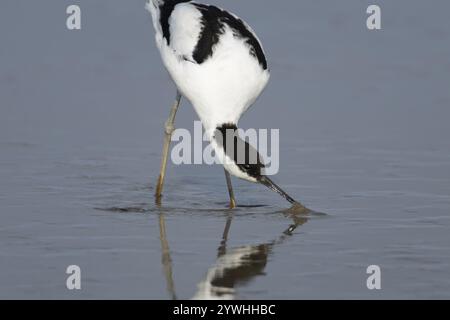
{"type": "Point", "coordinates": [214, 58]}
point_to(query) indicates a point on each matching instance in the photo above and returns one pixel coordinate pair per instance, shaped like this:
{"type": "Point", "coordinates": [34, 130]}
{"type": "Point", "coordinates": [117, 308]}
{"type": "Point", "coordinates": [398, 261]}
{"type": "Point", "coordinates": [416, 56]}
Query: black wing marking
{"type": "Point", "coordinates": [214, 20]}
{"type": "Point", "coordinates": [166, 10]}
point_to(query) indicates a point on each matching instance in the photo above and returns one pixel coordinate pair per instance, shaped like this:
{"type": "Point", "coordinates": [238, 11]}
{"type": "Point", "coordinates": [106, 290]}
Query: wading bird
{"type": "Point", "coordinates": [216, 62]}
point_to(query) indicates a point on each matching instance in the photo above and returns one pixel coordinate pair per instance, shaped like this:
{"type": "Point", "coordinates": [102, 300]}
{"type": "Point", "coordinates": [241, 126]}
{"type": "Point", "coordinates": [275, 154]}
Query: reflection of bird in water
{"type": "Point", "coordinates": [233, 266]}
{"type": "Point", "coordinates": [238, 265]}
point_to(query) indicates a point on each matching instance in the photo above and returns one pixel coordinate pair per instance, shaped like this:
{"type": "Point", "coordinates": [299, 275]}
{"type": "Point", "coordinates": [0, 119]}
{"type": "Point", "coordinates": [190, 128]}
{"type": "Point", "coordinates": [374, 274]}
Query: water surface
{"type": "Point", "coordinates": [363, 119]}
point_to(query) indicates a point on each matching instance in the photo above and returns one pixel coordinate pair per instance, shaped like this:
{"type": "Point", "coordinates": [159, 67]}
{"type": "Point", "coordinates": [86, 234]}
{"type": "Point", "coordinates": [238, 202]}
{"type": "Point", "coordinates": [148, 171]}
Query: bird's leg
{"type": "Point", "coordinates": [169, 129]}
{"type": "Point", "coordinates": [230, 190]}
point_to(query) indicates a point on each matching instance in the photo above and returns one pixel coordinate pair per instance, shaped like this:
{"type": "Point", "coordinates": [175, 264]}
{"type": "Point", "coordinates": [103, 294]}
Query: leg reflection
{"type": "Point", "coordinates": [165, 257]}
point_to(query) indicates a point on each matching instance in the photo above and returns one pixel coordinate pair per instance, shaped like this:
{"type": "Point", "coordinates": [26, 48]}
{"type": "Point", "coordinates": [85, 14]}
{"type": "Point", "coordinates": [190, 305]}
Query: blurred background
{"type": "Point", "coordinates": [363, 118]}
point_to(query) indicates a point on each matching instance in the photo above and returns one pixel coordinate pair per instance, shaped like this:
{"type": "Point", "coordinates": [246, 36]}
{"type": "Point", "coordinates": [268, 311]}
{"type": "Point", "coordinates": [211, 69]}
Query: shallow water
{"type": "Point", "coordinates": [364, 131]}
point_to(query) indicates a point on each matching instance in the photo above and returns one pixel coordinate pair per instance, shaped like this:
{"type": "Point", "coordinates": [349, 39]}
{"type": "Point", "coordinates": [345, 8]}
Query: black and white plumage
{"type": "Point", "coordinates": [217, 62]}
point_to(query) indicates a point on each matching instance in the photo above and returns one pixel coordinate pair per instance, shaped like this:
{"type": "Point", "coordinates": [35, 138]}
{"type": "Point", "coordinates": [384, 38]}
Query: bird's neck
{"type": "Point", "coordinates": [214, 127]}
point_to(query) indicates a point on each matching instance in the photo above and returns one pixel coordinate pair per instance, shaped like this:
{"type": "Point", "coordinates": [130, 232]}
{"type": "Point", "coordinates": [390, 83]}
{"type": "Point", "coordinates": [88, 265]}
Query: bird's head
{"type": "Point", "coordinates": [247, 163]}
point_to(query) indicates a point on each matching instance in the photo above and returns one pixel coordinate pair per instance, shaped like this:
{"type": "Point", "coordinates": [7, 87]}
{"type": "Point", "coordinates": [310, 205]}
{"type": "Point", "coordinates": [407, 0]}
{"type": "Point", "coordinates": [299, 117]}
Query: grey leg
{"type": "Point", "coordinates": [230, 190]}
{"type": "Point", "coordinates": [169, 128]}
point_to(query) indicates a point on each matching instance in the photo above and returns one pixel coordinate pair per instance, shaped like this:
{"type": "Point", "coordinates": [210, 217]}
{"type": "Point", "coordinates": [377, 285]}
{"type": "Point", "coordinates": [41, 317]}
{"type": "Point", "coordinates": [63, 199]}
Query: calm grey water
{"type": "Point", "coordinates": [364, 131]}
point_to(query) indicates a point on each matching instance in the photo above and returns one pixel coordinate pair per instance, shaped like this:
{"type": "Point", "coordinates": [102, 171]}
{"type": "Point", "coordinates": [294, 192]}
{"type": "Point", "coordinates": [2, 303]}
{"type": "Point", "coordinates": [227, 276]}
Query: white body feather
{"type": "Point", "coordinates": [221, 88]}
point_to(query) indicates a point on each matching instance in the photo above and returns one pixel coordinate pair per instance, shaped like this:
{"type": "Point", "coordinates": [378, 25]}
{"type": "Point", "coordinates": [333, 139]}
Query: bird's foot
{"type": "Point", "coordinates": [232, 204]}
